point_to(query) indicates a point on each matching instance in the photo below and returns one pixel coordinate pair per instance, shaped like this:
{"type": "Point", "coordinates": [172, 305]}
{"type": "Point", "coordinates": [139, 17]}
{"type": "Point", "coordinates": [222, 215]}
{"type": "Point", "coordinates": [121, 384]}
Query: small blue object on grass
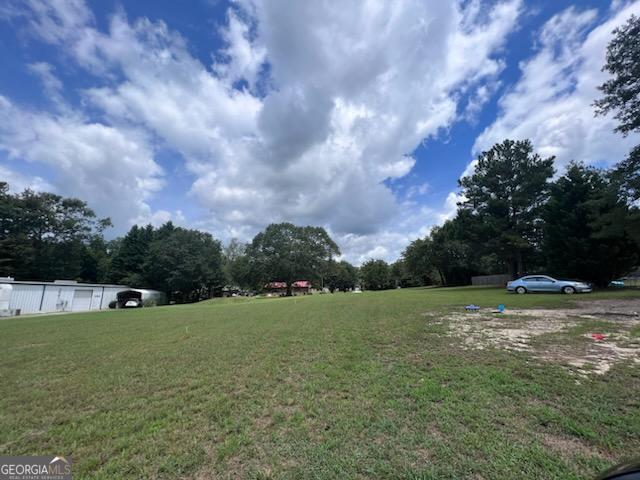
{"type": "Point", "coordinates": [501, 308]}
{"type": "Point", "coordinates": [472, 308]}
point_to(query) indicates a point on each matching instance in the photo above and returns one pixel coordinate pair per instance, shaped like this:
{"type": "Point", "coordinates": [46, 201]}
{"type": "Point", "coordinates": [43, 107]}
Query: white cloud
{"type": "Point", "coordinates": [159, 217]}
{"type": "Point", "coordinates": [241, 60]}
{"type": "Point", "coordinates": [551, 103]}
{"type": "Point", "coordinates": [19, 182]}
{"type": "Point", "coordinates": [388, 244]}
{"type": "Point", "coordinates": [417, 190]}
{"type": "Point", "coordinates": [52, 85]}
{"type": "Point", "coordinates": [351, 89]}
{"type": "Point", "coordinates": [479, 98]}
{"type": "Point", "coordinates": [111, 169]}
{"type": "Point", "coordinates": [57, 20]}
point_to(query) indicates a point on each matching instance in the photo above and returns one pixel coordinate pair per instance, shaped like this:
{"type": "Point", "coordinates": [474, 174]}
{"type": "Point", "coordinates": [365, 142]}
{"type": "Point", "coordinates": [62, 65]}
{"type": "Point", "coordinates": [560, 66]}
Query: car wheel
{"type": "Point", "coordinates": [569, 290]}
{"type": "Point", "coordinates": [521, 290]}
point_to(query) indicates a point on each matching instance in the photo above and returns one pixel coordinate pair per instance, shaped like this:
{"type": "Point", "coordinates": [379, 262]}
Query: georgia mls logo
{"type": "Point", "coordinates": [59, 466]}
{"type": "Point", "coordinates": [35, 468]}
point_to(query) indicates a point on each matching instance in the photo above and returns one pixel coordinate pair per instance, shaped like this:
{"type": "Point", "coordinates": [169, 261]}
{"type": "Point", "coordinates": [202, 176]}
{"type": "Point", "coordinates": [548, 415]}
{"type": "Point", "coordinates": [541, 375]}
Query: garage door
{"type": "Point", "coordinates": [81, 300]}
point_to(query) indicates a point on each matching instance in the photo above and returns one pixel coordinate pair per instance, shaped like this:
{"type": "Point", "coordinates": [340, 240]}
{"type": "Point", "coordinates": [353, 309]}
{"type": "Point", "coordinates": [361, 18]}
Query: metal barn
{"type": "Point", "coordinates": [25, 297]}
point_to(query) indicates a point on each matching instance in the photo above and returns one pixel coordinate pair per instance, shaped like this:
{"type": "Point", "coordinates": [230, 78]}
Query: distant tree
{"type": "Point", "coordinates": [341, 276]}
{"type": "Point", "coordinates": [14, 248]}
{"type": "Point", "coordinates": [44, 236]}
{"type": "Point", "coordinates": [506, 194]}
{"type": "Point", "coordinates": [96, 261]}
{"type": "Point", "coordinates": [286, 252]}
{"type": "Point", "coordinates": [585, 234]}
{"type": "Point", "coordinates": [451, 255]}
{"type": "Point", "coordinates": [396, 273]}
{"type": "Point", "coordinates": [130, 254]}
{"type": "Point", "coordinates": [187, 264]}
{"type": "Point", "coordinates": [418, 260]}
{"type": "Point", "coordinates": [376, 275]}
{"type": "Point", "coordinates": [401, 276]}
{"type": "Point", "coordinates": [235, 264]}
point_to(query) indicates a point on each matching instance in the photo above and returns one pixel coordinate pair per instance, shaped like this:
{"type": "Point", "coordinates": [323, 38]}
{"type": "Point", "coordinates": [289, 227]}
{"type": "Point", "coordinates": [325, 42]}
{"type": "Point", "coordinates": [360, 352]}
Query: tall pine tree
{"type": "Point", "coordinates": [506, 193]}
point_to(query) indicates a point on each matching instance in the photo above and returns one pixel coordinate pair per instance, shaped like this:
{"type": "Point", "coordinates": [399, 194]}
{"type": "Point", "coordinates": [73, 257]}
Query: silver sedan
{"type": "Point", "coordinates": [543, 283]}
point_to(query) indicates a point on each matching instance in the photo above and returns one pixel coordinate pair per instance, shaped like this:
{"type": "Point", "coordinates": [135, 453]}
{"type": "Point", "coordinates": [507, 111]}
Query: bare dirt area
{"type": "Point", "coordinates": [587, 339]}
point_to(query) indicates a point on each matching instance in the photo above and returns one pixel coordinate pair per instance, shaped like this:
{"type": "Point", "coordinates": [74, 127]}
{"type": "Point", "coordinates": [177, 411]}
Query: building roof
{"type": "Point", "coordinates": [61, 283]}
{"type": "Point", "coordinates": [283, 285]}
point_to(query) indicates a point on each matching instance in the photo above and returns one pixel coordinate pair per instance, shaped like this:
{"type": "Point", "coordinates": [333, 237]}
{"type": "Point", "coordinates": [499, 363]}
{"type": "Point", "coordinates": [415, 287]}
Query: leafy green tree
{"type": "Point", "coordinates": [131, 252]}
{"type": "Point", "coordinates": [187, 264]}
{"type": "Point", "coordinates": [626, 176]}
{"type": "Point", "coordinates": [341, 276]}
{"type": "Point", "coordinates": [286, 252]}
{"type": "Point", "coordinates": [621, 94]}
{"type": "Point", "coordinates": [506, 194]}
{"type": "Point", "coordinates": [45, 236]}
{"type": "Point", "coordinates": [235, 264]}
{"type": "Point", "coordinates": [418, 261]}
{"type": "Point", "coordinates": [585, 234]}
{"type": "Point", "coordinates": [96, 261]}
{"type": "Point", "coordinates": [451, 255]}
{"type": "Point", "coordinates": [376, 275]}
{"type": "Point", "coordinates": [401, 276]}
{"type": "Point", "coordinates": [622, 91]}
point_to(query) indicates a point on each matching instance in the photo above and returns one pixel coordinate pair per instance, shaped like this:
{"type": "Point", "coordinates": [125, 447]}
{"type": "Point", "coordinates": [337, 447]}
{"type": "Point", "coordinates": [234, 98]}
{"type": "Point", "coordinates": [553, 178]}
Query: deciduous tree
{"type": "Point", "coordinates": [286, 252]}
{"type": "Point", "coordinates": [376, 275]}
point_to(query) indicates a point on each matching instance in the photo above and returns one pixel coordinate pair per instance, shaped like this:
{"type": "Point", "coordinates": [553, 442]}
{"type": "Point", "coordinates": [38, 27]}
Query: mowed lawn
{"type": "Point", "coordinates": [326, 386]}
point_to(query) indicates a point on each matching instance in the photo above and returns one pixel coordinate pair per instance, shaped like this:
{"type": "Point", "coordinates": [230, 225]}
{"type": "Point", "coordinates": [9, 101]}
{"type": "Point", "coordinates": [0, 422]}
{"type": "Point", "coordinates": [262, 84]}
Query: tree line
{"type": "Point", "coordinates": [45, 237]}
{"type": "Point", "coordinates": [515, 220]}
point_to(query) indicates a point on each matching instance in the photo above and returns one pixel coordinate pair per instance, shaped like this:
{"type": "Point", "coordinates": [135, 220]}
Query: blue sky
{"type": "Point", "coordinates": [359, 117]}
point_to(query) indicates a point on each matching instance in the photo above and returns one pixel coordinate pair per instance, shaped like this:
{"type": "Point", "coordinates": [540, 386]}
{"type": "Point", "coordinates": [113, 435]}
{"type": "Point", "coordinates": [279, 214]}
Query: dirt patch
{"type": "Point", "coordinates": [522, 331]}
{"type": "Point", "coordinates": [569, 448]}
{"type": "Point", "coordinates": [604, 354]}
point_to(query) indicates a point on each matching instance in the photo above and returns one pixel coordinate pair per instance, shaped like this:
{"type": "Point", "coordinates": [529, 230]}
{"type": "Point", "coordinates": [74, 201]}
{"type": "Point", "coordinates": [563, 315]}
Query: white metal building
{"type": "Point", "coordinates": [59, 296]}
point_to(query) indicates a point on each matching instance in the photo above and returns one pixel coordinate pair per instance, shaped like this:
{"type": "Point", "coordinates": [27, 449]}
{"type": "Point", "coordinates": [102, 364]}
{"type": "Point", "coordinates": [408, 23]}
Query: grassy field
{"type": "Point", "coordinates": [326, 386]}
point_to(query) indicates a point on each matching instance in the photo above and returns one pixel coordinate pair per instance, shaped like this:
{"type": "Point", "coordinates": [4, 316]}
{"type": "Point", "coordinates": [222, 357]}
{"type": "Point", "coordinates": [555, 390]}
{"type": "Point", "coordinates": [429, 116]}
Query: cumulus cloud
{"type": "Point", "coordinates": [159, 217]}
{"type": "Point", "coordinates": [413, 221]}
{"type": "Point", "coordinates": [350, 91]}
{"type": "Point", "coordinates": [240, 59]}
{"type": "Point", "coordinates": [19, 182]}
{"type": "Point", "coordinates": [112, 170]}
{"type": "Point", "coordinates": [551, 103]}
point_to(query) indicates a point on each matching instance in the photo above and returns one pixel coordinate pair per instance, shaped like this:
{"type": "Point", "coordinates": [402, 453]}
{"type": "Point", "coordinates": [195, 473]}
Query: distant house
{"type": "Point", "coordinates": [299, 287]}
{"type": "Point", "coordinates": [276, 288]}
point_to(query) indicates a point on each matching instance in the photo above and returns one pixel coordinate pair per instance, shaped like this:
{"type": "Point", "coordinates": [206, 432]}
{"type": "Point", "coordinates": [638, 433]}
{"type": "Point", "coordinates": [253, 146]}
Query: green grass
{"type": "Point", "coordinates": [326, 386]}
